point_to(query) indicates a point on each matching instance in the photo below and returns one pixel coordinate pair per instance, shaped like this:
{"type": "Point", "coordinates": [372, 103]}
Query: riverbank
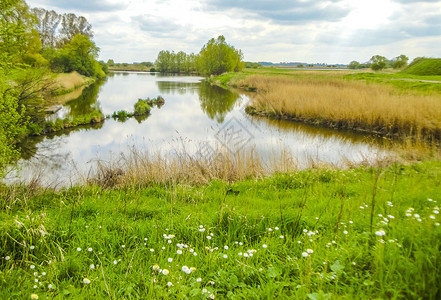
{"type": "Point", "coordinates": [334, 100]}
{"type": "Point", "coordinates": [342, 234]}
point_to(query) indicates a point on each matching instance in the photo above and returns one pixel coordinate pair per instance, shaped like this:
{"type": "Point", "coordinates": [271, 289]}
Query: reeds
{"type": "Point", "coordinates": [340, 103]}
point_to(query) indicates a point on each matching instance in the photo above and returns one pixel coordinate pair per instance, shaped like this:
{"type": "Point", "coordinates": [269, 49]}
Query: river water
{"type": "Point", "coordinates": [195, 115]}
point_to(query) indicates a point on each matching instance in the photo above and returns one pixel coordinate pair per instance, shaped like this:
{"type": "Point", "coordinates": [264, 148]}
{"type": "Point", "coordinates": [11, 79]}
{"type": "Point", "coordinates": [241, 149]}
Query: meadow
{"type": "Point", "coordinates": [362, 233]}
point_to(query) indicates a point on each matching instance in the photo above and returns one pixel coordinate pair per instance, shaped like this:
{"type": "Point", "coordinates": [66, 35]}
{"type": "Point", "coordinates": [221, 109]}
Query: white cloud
{"type": "Point", "coordinates": [331, 31]}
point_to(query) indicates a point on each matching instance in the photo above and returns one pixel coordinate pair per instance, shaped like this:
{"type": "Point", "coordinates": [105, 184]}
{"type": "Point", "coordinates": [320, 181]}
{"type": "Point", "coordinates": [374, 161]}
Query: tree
{"type": "Point", "coordinates": [217, 57]}
{"type": "Point", "coordinates": [400, 61]}
{"type": "Point", "coordinates": [378, 62]}
{"type": "Point", "coordinates": [354, 65]}
{"type": "Point", "coordinates": [15, 23]}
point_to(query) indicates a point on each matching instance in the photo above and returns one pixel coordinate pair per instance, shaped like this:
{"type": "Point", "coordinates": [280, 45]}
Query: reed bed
{"type": "Point", "coordinates": [340, 103]}
{"type": "Point", "coordinates": [143, 168]}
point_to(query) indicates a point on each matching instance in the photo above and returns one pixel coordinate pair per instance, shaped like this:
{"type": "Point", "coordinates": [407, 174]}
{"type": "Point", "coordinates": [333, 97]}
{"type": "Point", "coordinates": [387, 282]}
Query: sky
{"type": "Point", "coordinates": [311, 31]}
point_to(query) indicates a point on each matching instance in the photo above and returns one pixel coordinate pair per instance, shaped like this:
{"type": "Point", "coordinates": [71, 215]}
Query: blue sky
{"type": "Point", "coordinates": [313, 31]}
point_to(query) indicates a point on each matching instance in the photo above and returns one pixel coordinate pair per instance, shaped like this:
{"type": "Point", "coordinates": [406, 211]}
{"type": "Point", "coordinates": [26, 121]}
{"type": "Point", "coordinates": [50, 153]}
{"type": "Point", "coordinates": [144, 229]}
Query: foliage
{"type": "Point", "coordinates": [56, 30]}
{"type": "Point", "coordinates": [216, 57]}
{"type": "Point", "coordinates": [400, 61]}
{"type": "Point", "coordinates": [252, 65]}
{"type": "Point", "coordinates": [424, 66]}
{"type": "Point", "coordinates": [354, 65]}
{"type": "Point", "coordinates": [142, 108]}
{"type": "Point", "coordinates": [378, 62]}
{"type": "Point", "coordinates": [301, 235]}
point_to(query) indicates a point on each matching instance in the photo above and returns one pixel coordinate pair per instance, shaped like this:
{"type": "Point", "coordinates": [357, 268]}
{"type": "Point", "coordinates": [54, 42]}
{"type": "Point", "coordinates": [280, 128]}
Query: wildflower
{"type": "Point", "coordinates": [208, 237]}
{"type": "Point", "coordinates": [89, 249]}
{"type": "Point", "coordinates": [43, 273]}
{"type": "Point", "coordinates": [152, 250]}
{"type": "Point", "coordinates": [240, 253]}
{"type": "Point", "coordinates": [186, 270]}
{"type": "Point", "coordinates": [225, 256]}
{"type": "Point", "coordinates": [282, 237]}
{"type": "Point", "coordinates": [304, 254]}
{"type": "Point", "coordinates": [408, 215]}
{"type": "Point", "coordinates": [436, 212]}
{"type": "Point", "coordinates": [345, 232]}
{"type": "Point", "coordinates": [354, 263]}
{"type": "Point", "coordinates": [79, 249]}
{"type": "Point", "coordinates": [192, 269]}
{"type": "Point", "coordinates": [50, 286]}
{"type": "Point", "coordinates": [432, 217]}
{"type": "Point", "coordinates": [211, 233]}
{"type": "Point", "coordinates": [226, 247]}
{"type": "Point", "coordinates": [32, 267]}
{"type": "Point", "coordinates": [310, 251]}
{"type": "Point", "coordinates": [170, 260]}
{"type": "Point", "coordinates": [260, 270]}
{"type": "Point", "coordinates": [195, 254]}
{"type": "Point", "coordinates": [168, 237]}
{"type": "Point", "coordinates": [212, 282]}
{"type": "Point", "coordinates": [350, 222]}
{"type": "Point", "coordinates": [145, 239]}
{"type": "Point", "coordinates": [179, 252]}
{"type": "Point", "coordinates": [276, 228]}
{"type": "Point", "coordinates": [270, 229]}
{"type": "Point", "coordinates": [169, 284]}
{"type": "Point", "coordinates": [155, 268]}
{"type": "Point", "coordinates": [35, 273]}
{"type": "Point", "coordinates": [201, 229]}
{"type": "Point", "coordinates": [436, 224]}
{"type": "Point", "coordinates": [199, 280]}
{"type": "Point", "coordinates": [92, 266]}
{"type": "Point", "coordinates": [380, 232]}
{"type": "Point", "coordinates": [416, 215]}
{"type": "Point", "coordinates": [86, 281]}
{"type": "Point", "coordinates": [204, 291]}
{"type": "Point", "coordinates": [34, 296]}
{"type": "Point", "coordinates": [305, 230]}
{"type": "Point", "coordinates": [7, 258]}
{"type": "Point", "coordinates": [165, 272]}
{"type": "Point", "coordinates": [380, 215]}
{"type": "Point", "coordinates": [32, 247]}
{"type": "Point", "coordinates": [35, 286]}
{"type": "Point", "coordinates": [123, 246]}
{"type": "Point", "coordinates": [245, 254]}
{"type": "Point", "coordinates": [240, 243]}
{"type": "Point", "coordinates": [211, 296]}
{"type": "Point", "coordinates": [264, 246]}
{"type": "Point", "coordinates": [169, 241]}
{"type": "Point", "coordinates": [299, 242]}
{"type": "Point", "coordinates": [362, 207]}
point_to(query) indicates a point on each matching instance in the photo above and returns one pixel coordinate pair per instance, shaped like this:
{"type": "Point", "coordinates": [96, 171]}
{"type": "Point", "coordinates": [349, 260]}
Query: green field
{"type": "Point", "coordinates": [363, 233]}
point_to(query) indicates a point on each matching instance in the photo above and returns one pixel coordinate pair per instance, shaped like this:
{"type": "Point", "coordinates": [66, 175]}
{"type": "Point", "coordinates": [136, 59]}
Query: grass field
{"type": "Point", "coordinates": [363, 233]}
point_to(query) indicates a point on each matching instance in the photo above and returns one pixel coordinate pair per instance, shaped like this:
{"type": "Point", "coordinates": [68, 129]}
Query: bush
{"type": "Point", "coordinates": [142, 107]}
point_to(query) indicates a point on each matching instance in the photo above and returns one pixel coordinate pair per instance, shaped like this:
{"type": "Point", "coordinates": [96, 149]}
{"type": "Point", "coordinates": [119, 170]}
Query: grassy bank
{"type": "Point", "coordinates": [316, 234]}
{"type": "Point", "coordinates": [66, 83]}
{"type": "Point", "coordinates": [377, 103]}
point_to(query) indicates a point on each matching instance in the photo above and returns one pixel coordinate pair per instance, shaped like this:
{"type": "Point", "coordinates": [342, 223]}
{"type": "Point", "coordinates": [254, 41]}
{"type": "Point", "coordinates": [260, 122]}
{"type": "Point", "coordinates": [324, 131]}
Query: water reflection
{"type": "Point", "coordinates": [216, 102]}
{"type": "Point", "coordinates": [194, 112]}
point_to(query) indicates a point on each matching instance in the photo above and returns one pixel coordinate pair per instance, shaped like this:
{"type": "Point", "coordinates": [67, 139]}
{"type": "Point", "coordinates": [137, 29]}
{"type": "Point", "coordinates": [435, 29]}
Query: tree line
{"type": "Point", "coordinates": [216, 57]}
{"type": "Point", "coordinates": [34, 43]}
{"type": "Point", "coordinates": [378, 62]}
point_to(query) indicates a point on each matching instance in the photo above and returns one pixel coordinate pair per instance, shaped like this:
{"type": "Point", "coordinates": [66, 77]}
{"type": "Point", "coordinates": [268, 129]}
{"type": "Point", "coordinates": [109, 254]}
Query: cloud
{"type": "Point", "coordinates": [285, 12]}
{"type": "Point", "coordinates": [156, 26]}
{"type": "Point", "coordinates": [86, 6]}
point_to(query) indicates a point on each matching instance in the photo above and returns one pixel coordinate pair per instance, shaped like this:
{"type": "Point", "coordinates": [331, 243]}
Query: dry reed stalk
{"type": "Point", "coordinates": [348, 104]}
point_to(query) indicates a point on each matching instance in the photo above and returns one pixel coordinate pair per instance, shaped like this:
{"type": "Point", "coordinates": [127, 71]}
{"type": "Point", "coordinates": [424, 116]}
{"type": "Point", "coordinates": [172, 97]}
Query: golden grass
{"type": "Point", "coordinates": [68, 81]}
{"type": "Point", "coordinates": [347, 104]}
{"type": "Point", "coordinates": [143, 168]}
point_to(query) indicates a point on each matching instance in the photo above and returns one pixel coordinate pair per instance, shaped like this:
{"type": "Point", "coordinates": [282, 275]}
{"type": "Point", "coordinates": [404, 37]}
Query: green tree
{"type": "Point", "coordinates": [378, 62]}
{"type": "Point", "coordinates": [15, 23]}
{"type": "Point", "coordinates": [354, 65]}
{"type": "Point", "coordinates": [400, 61]}
{"type": "Point", "coordinates": [217, 57]}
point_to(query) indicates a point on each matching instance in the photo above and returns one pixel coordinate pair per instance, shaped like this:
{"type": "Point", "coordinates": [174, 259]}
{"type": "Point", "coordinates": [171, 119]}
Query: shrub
{"type": "Point", "coordinates": [142, 107]}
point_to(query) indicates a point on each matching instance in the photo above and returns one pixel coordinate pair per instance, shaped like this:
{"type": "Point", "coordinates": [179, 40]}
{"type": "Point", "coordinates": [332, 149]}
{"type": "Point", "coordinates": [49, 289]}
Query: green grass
{"type": "Point", "coordinates": [425, 67]}
{"type": "Point", "coordinates": [335, 218]}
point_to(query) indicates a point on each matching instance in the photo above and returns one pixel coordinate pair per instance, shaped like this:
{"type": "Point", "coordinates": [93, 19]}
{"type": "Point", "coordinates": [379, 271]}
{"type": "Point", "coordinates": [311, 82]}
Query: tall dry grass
{"type": "Point", "coordinates": [142, 168]}
{"type": "Point", "coordinates": [348, 104]}
{"type": "Point", "coordinates": [68, 81]}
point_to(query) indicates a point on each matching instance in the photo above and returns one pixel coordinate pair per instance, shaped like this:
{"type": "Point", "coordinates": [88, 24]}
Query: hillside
{"type": "Point", "coordinates": [424, 66]}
